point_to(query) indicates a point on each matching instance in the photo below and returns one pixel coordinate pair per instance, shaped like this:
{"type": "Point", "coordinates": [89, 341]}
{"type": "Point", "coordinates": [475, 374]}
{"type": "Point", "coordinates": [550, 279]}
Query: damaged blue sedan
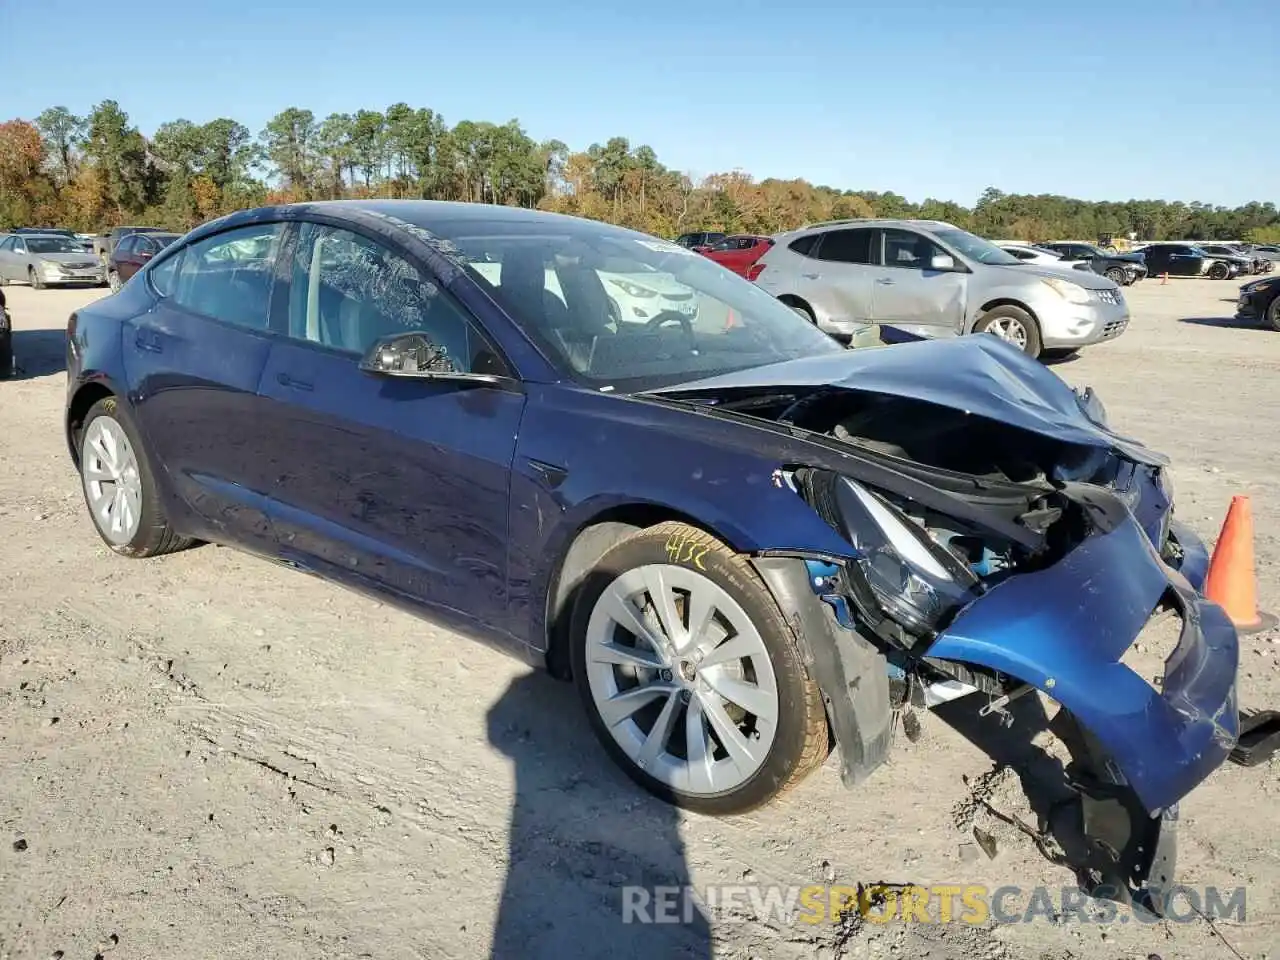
{"type": "Point", "coordinates": [744, 543]}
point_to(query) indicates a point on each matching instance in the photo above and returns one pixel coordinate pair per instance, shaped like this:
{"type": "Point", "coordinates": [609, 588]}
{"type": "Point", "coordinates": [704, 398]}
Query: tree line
{"type": "Point", "coordinates": [98, 171]}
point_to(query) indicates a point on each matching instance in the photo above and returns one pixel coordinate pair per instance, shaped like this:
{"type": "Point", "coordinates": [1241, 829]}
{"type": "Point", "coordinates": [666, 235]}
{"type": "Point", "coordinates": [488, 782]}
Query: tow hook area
{"type": "Point", "coordinates": [1259, 738]}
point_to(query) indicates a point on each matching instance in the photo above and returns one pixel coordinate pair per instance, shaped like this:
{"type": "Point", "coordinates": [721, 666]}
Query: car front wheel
{"type": "Point", "coordinates": [1273, 313]}
{"type": "Point", "coordinates": [690, 675]}
{"type": "Point", "coordinates": [1012, 325]}
{"type": "Point", "coordinates": [1219, 271]}
{"type": "Point", "coordinates": [1117, 276]}
{"type": "Point", "coordinates": [113, 281]}
{"type": "Point", "coordinates": [119, 485]}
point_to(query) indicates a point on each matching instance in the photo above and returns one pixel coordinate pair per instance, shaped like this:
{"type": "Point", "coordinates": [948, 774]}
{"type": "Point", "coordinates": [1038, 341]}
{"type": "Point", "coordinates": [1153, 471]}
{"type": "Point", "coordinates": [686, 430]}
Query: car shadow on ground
{"type": "Point", "coordinates": [1045, 777]}
{"type": "Point", "coordinates": [1230, 322]}
{"type": "Point", "coordinates": [581, 835]}
{"type": "Point", "coordinates": [38, 353]}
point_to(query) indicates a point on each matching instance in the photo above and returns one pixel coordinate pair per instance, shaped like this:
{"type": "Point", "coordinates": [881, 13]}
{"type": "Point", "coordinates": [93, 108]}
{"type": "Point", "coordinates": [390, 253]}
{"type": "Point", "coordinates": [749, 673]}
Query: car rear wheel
{"type": "Point", "coordinates": [113, 280]}
{"type": "Point", "coordinates": [119, 486]}
{"type": "Point", "coordinates": [34, 278]}
{"type": "Point", "coordinates": [1117, 276]}
{"type": "Point", "coordinates": [1219, 271]}
{"type": "Point", "coordinates": [1012, 325]}
{"type": "Point", "coordinates": [802, 308]}
{"type": "Point", "coordinates": [691, 677]}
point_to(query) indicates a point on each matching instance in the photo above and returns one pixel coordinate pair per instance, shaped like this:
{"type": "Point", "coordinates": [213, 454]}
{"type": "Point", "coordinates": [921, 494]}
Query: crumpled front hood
{"type": "Point", "coordinates": [980, 375]}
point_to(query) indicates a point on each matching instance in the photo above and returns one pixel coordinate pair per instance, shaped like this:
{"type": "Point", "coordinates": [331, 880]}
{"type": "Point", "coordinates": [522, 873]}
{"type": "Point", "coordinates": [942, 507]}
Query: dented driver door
{"type": "Point", "coordinates": [909, 294]}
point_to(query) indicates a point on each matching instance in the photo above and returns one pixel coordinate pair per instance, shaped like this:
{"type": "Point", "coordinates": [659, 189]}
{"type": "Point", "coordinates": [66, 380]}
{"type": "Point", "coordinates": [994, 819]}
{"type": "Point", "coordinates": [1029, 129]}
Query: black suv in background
{"type": "Point", "coordinates": [1121, 268]}
{"type": "Point", "coordinates": [1188, 260]}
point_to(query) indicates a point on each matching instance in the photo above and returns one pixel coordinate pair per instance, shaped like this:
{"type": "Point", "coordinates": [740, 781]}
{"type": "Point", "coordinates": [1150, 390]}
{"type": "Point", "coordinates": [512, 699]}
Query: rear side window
{"type": "Point", "coordinates": [846, 246]}
{"type": "Point", "coordinates": [804, 245]}
{"type": "Point", "coordinates": [228, 276]}
{"type": "Point", "coordinates": [162, 274]}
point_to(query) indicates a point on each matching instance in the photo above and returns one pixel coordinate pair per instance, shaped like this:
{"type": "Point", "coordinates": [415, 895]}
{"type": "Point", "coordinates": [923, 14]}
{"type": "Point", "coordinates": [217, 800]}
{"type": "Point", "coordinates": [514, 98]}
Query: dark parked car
{"type": "Point", "coordinates": [1188, 260]}
{"type": "Point", "coordinates": [105, 245]}
{"type": "Point", "coordinates": [6, 339]}
{"type": "Point", "coordinates": [1260, 301]}
{"type": "Point", "coordinates": [1121, 268]}
{"type": "Point", "coordinates": [699, 241]}
{"type": "Point", "coordinates": [1245, 263]}
{"type": "Point", "coordinates": [132, 253]}
{"type": "Point", "coordinates": [738, 253]}
{"type": "Point", "coordinates": [740, 540]}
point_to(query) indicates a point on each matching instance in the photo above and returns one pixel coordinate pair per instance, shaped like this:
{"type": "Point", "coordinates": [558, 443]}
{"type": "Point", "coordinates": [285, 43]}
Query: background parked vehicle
{"type": "Point", "coordinates": [1028, 253]}
{"type": "Point", "coordinates": [47, 259]}
{"type": "Point", "coordinates": [104, 245]}
{"type": "Point", "coordinates": [1188, 260]}
{"type": "Point", "coordinates": [6, 339]}
{"type": "Point", "coordinates": [738, 253]}
{"type": "Point", "coordinates": [1248, 263]}
{"type": "Point", "coordinates": [132, 253]}
{"type": "Point", "coordinates": [700, 241]}
{"type": "Point", "coordinates": [1260, 301]}
{"type": "Point", "coordinates": [1120, 268]}
{"type": "Point", "coordinates": [933, 279]}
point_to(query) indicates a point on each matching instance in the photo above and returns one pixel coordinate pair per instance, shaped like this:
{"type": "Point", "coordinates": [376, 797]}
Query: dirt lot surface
{"type": "Point", "coordinates": [209, 756]}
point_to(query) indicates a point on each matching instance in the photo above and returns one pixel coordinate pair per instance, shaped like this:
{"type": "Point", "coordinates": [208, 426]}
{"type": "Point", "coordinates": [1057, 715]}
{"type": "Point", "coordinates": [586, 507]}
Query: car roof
{"type": "Point", "coordinates": [876, 222]}
{"type": "Point", "coordinates": [39, 236]}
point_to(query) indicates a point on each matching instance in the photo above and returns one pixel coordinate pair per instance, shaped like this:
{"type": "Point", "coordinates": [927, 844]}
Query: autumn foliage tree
{"type": "Point", "coordinates": [99, 170]}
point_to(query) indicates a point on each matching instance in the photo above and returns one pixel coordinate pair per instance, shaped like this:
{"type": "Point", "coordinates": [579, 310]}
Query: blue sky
{"type": "Point", "coordinates": [1077, 97]}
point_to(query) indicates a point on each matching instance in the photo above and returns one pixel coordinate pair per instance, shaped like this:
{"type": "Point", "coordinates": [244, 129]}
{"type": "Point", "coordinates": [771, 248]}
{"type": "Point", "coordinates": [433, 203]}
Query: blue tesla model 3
{"type": "Point", "coordinates": [743, 542]}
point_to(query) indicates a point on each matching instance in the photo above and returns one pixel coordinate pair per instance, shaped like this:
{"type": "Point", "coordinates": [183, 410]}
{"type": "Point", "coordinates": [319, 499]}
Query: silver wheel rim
{"type": "Point", "coordinates": [112, 484]}
{"type": "Point", "coordinates": [113, 281]}
{"type": "Point", "coordinates": [1010, 330]}
{"type": "Point", "coordinates": [682, 679]}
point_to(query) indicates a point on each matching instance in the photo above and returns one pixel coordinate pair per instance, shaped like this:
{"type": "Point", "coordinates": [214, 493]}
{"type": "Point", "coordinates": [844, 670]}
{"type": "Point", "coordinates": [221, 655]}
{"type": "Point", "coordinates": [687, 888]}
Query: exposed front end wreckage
{"type": "Point", "coordinates": [1002, 539]}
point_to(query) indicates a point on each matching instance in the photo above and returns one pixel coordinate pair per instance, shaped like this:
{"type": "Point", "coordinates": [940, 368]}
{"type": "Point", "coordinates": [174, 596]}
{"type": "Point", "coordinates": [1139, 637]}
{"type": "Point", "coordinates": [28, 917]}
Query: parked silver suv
{"type": "Point", "coordinates": [936, 280]}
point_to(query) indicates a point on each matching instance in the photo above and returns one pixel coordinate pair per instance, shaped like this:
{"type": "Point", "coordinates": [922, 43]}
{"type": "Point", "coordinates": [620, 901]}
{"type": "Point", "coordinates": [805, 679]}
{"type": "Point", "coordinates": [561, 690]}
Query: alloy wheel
{"type": "Point", "coordinates": [1010, 330]}
{"type": "Point", "coordinates": [682, 679]}
{"type": "Point", "coordinates": [113, 281]}
{"type": "Point", "coordinates": [112, 483]}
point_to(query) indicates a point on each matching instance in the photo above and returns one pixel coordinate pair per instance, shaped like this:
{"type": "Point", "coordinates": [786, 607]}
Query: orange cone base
{"type": "Point", "coordinates": [1265, 621]}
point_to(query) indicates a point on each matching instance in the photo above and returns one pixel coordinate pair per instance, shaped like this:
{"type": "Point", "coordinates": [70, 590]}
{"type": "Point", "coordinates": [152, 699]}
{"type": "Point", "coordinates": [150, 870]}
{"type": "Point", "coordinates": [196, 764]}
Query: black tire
{"type": "Point", "coordinates": [1059, 355]}
{"type": "Point", "coordinates": [6, 354]}
{"type": "Point", "coordinates": [801, 739]}
{"type": "Point", "coordinates": [36, 281]}
{"type": "Point", "coordinates": [802, 308]}
{"type": "Point", "coordinates": [154, 536]}
{"type": "Point", "coordinates": [1007, 311]}
{"type": "Point", "coordinates": [1219, 271]}
{"type": "Point", "coordinates": [1271, 316]}
{"type": "Point", "coordinates": [1117, 276]}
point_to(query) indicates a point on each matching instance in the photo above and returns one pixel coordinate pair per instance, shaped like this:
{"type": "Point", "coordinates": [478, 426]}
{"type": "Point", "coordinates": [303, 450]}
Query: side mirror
{"type": "Point", "coordinates": [415, 354]}
{"type": "Point", "coordinates": [942, 261]}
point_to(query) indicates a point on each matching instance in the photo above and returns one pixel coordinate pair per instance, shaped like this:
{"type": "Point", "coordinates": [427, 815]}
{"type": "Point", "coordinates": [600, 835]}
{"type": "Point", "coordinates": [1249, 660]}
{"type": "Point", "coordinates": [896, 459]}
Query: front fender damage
{"type": "Point", "coordinates": [849, 670]}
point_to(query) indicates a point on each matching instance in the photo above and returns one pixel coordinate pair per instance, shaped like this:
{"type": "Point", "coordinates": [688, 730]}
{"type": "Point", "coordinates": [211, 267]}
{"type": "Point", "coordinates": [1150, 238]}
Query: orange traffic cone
{"type": "Point", "coordinates": [1164, 278]}
{"type": "Point", "coordinates": [730, 320]}
{"type": "Point", "coordinates": [1231, 582]}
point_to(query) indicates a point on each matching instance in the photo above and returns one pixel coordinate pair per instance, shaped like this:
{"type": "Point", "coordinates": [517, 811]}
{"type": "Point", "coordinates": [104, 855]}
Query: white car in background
{"type": "Point", "coordinates": [1029, 253]}
{"type": "Point", "coordinates": [633, 297]}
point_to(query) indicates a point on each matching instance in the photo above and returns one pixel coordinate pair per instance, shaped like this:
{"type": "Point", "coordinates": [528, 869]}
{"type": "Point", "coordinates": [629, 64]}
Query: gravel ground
{"type": "Point", "coordinates": [209, 756]}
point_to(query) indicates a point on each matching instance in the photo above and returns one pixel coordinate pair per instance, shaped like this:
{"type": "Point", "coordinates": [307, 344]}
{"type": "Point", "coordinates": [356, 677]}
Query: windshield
{"type": "Point", "coordinates": [52, 245]}
{"type": "Point", "coordinates": [620, 310]}
{"type": "Point", "coordinates": [975, 248]}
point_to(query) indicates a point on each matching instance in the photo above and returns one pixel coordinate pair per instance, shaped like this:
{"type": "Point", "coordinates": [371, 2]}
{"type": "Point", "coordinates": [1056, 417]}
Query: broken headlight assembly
{"type": "Point", "coordinates": [917, 582]}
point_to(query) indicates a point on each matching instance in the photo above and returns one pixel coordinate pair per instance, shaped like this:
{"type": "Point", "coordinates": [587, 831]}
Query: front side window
{"type": "Point", "coordinates": [908, 250]}
{"type": "Point", "coordinates": [620, 310]}
{"type": "Point", "coordinates": [229, 276]}
{"type": "Point", "coordinates": [163, 273]}
{"type": "Point", "coordinates": [348, 291]}
{"type": "Point", "coordinates": [125, 246]}
{"type": "Point", "coordinates": [846, 246]}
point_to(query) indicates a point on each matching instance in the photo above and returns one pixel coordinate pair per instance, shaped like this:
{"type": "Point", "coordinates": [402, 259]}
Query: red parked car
{"type": "Point", "coordinates": [738, 253]}
{"type": "Point", "coordinates": [131, 254]}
